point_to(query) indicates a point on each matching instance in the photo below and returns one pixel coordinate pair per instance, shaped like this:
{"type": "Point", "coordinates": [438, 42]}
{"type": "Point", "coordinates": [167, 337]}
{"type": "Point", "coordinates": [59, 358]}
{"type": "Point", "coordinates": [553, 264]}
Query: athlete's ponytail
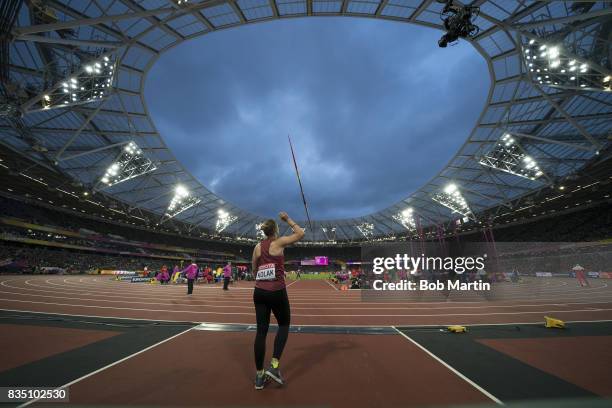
{"type": "Point", "coordinates": [269, 228]}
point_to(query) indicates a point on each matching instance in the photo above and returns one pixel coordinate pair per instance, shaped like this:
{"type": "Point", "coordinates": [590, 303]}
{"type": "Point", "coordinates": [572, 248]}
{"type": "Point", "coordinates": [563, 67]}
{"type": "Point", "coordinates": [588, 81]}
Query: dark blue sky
{"type": "Point", "coordinates": [374, 109]}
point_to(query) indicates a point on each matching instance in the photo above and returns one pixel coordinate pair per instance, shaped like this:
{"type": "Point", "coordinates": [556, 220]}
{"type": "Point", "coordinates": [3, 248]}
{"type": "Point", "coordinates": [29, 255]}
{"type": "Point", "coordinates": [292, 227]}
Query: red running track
{"type": "Point", "coordinates": [313, 302]}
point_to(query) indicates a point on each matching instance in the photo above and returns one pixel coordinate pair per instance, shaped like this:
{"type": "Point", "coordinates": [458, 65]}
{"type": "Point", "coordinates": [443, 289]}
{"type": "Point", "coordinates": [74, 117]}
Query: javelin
{"type": "Point", "coordinates": [297, 172]}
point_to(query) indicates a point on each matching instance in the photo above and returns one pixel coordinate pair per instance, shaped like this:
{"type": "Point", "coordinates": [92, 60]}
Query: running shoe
{"type": "Point", "coordinates": [275, 374]}
{"type": "Point", "coordinates": [260, 381]}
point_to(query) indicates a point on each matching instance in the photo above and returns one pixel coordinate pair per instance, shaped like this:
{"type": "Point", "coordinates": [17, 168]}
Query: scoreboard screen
{"type": "Point", "coordinates": [321, 260]}
{"type": "Point", "coordinates": [317, 261]}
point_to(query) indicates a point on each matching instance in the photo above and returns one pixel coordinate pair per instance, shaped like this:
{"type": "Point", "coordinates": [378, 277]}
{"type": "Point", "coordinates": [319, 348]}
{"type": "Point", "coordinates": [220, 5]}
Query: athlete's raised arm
{"type": "Point", "coordinates": [298, 232]}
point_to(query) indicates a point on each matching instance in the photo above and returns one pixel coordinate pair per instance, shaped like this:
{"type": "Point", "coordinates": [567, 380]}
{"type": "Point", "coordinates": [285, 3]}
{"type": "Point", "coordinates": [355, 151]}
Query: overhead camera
{"type": "Point", "coordinates": [458, 22]}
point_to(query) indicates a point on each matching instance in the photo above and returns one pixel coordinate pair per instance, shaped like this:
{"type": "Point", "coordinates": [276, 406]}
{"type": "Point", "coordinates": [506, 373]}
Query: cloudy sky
{"type": "Point", "coordinates": [374, 110]}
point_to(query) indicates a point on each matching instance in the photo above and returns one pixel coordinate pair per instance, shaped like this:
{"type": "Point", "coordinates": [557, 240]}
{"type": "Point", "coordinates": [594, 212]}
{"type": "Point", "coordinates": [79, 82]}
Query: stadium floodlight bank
{"type": "Point", "coordinates": [509, 156]}
{"type": "Point", "coordinates": [182, 201]}
{"type": "Point", "coordinates": [258, 231]}
{"type": "Point", "coordinates": [366, 229]}
{"type": "Point", "coordinates": [452, 199]}
{"type": "Point", "coordinates": [330, 233]}
{"type": "Point", "coordinates": [547, 65]}
{"type": "Point", "coordinates": [130, 163]}
{"type": "Point", "coordinates": [92, 82]}
{"type": "Point", "coordinates": [224, 220]}
{"type": "Point", "coordinates": [406, 219]}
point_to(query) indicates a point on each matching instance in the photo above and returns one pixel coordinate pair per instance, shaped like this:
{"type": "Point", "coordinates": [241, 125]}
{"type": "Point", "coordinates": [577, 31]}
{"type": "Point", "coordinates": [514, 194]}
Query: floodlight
{"type": "Point", "coordinates": [330, 233]}
{"type": "Point", "coordinates": [508, 155]}
{"type": "Point", "coordinates": [258, 231]}
{"type": "Point", "coordinates": [92, 81]}
{"type": "Point", "coordinates": [450, 188]}
{"type": "Point", "coordinates": [181, 191]}
{"type": "Point", "coordinates": [181, 201]}
{"type": "Point", "coordinates": [130, 163]}
{"type": "Point", "coordinates": [451, 198]}
{"type": "Point", "coordinates": [560, 68]}
{"type": "Point", "coordinates": [406, 219]}
{"type": "Point", "coordinates": [366, 229]}
{"type": "Point", "coordinates": [224, 219]}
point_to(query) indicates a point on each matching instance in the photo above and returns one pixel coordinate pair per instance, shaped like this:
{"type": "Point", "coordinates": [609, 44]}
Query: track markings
{"type": "Point", "coordinates": [329, 283]}
{"type": "Point", "coordinates": [25, 404]}
{"type": "Point", "coordinates": [452, 369]}
{"type": "Point", "coordinates": [312, 302]}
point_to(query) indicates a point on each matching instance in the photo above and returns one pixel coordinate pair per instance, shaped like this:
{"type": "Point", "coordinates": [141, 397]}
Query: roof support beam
{"type": "Point", "coordinates": [569, 118]}
{"type": "Point", "coordinates": [420, 10]}
{"type": "Point", "coordinates": [61, 25]}
{"type": "Point", "coordinates": [66, 41]}
{"type": "Point", "coordinates": [563, 20]}
{"type": "Point", "coordinates": [99, 149]}
{"type": "Point", "coordinates": [553, 141]}
{"type": "Point", "coordinates": [275, 8]}
{"type": "Point", "coordinates": [605, 115]}
{"type": "Point", "coordinates": [381, 7]}
{"type": "Point", "coordinates": [58, 156]}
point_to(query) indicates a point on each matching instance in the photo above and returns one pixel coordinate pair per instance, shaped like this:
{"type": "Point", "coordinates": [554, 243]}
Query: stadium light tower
{"type": "Point", "coordinates": [91, 82]}
{"type": "Point", "coordinates": [128, 164]}
{"type": "Point", "coordinates": [224, 219]}
{"type": "Point", "coordinates": [366, 229]}
{"type": "Point", "coordinates": [330, 233]}
{"type": "Point", "coordinates": [508, 155]}
{"type": "Point", "coordinates": [181, 201]}
{"type": "Point", "coordinates": [258, 231]}
{"type": "Point", "coordinates": [552, 64]}
{"type": "Point", "coordinates": [451, 198]}
{"type": "Point", "coordinates": [406, 218]}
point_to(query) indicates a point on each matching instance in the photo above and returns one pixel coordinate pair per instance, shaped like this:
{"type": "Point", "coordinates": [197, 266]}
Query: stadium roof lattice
{"type": "Point", "coordinates": [560, 124]}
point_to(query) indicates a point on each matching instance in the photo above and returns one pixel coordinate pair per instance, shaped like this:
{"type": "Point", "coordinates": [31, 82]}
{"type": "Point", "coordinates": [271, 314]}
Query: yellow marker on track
{"type": "Point", "coordinates": [552, 323]}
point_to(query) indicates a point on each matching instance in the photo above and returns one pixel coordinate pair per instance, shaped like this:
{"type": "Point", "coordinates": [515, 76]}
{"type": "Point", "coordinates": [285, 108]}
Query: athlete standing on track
{"type": "Point", "coordinates": [270, 295]}
{"type": "Point", "coordinates": [191, 273]}
{"type": "Point", "coordinates": [227, 275]}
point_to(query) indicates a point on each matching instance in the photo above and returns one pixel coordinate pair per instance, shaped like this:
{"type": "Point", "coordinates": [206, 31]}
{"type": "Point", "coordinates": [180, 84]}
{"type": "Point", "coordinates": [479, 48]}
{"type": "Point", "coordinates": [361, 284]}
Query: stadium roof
{"type": "Point", "coordinates": [73, 98]}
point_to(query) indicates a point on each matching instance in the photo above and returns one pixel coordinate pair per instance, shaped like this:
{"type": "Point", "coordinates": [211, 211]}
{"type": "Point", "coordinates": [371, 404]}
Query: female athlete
{"type": "Point", "coordinates": [270, 295]}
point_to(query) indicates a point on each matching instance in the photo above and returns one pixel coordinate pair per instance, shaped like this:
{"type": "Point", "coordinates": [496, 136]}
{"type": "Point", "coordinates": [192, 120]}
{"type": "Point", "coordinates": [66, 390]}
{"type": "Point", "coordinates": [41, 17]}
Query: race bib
{"type": "Point", "coordinates": [266, 272]}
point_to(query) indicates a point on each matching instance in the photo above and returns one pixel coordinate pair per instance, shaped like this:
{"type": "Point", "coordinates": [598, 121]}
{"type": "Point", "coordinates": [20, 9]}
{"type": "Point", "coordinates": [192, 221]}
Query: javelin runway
{"type": "Point", "coordinates": [312, 302]}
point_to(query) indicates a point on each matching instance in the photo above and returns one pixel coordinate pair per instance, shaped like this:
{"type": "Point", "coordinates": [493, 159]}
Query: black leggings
{"type": "Point", "coordinates": [276, 302]}
{"type": "Point", "coordinates": [189, 286]}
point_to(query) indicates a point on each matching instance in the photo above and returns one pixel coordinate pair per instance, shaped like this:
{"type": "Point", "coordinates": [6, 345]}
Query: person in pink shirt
{"type": "Point", "coordinates": [227, 274]}
{"type": "Point", "coordinates": [191, 273]}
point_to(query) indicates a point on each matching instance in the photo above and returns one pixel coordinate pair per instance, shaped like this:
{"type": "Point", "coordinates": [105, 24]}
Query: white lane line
{"type": "Point", "coordinates": [589, 300]}
{"type": "Point", "coordinates": [315, 325]}
{"type": "Point", "coordinates": [455, 305]}
{"type": "Point", "coordinates": [455, 371]}
{"type": "Point", "coordinates": [329, 283]}
{"type": "Point", "coordinates": [292, 283]}
{"type": "Point", "coordinates": [25, 404]}
{"type": "Point", "coordinates": [501, 324]}
{"type": "Point", "coordinates": [110, 317]}
{"type": "Point", "coordinates": [345, 302]}
{"type": "Point", "coordinates": [307, 315]}
{"type": "Point", "coordinates": [566, 294]}
{"type": "Point", "coordinates": [204, 302]}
